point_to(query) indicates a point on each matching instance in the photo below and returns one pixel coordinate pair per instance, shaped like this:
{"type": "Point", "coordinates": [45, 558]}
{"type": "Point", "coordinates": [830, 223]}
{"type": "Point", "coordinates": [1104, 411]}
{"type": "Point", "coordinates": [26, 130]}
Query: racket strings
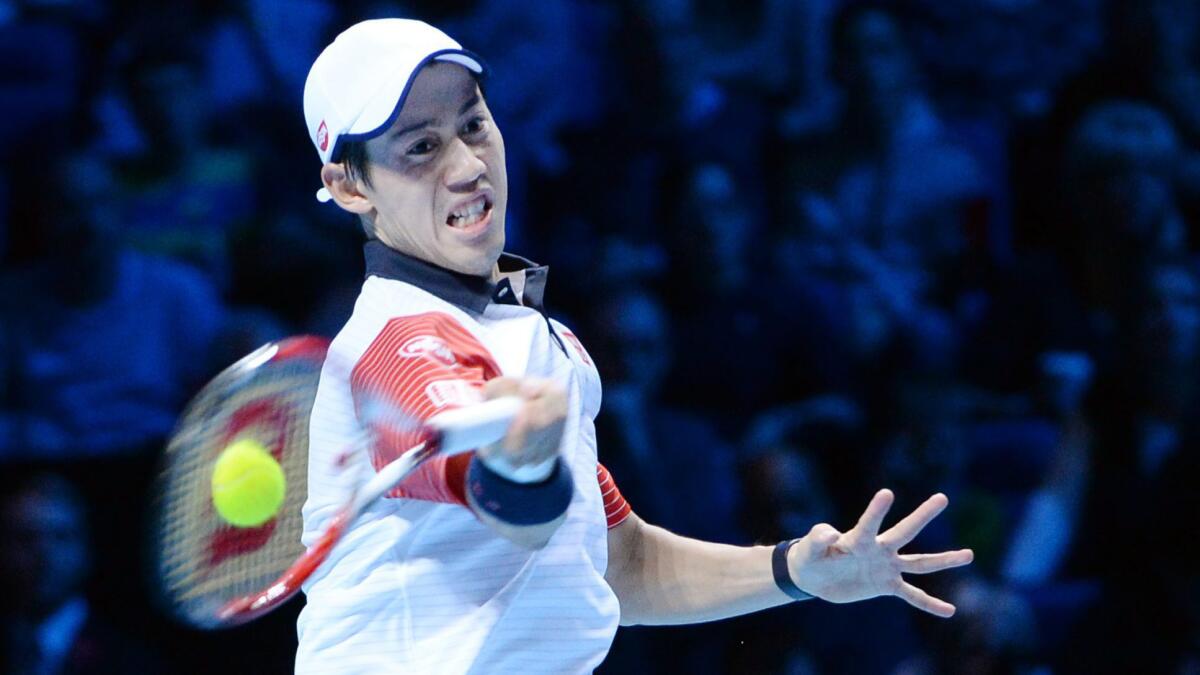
{"type": "Point", "coordinates": [204, 562]}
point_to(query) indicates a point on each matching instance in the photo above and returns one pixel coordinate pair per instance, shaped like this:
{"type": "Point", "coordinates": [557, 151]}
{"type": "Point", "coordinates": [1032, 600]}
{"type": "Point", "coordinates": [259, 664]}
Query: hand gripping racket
{"type": "Point", "coordinates": [212, 574]}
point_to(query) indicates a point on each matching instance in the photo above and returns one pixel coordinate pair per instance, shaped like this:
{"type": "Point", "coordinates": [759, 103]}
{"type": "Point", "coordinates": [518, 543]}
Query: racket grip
{"type": "Point", "coordinates": [467, 428]}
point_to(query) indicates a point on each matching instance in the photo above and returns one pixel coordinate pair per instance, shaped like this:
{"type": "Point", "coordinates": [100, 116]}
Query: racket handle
{"type": "Point", "coordinates": [467, 428]}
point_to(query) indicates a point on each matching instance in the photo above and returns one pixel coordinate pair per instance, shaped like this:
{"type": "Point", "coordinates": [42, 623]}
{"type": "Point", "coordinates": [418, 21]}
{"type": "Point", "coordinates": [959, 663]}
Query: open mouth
{"type": "Point", "coordinates": [470, 213]}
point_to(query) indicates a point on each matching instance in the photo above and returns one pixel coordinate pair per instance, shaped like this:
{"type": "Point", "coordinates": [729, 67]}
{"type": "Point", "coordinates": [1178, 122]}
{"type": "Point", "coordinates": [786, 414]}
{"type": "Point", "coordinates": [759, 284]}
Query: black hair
{"type": "Point", "coordinates": [354, 158]}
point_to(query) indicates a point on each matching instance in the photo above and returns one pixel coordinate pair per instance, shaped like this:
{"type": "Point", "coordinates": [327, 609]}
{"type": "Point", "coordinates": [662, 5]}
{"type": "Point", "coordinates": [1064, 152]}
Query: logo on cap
{"type": "Point", "coordinates": [322, 136]}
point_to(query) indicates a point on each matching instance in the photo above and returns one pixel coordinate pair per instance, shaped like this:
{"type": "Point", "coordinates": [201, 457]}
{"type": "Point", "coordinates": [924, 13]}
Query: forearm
{"type": "Point", "coordinates": [663, 578]}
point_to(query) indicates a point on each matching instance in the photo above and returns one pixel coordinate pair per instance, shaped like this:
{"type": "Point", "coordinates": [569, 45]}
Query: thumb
{"type": "Point", "coordinates": [498, 387]}
{"type": "Point", "coordinates": [822, 536]}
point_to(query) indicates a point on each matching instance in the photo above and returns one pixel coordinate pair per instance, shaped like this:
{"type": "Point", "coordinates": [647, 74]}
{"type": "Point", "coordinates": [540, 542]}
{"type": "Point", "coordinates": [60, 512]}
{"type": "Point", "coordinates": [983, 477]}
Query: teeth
{"type": "Point", "coordinates": [469, 212]}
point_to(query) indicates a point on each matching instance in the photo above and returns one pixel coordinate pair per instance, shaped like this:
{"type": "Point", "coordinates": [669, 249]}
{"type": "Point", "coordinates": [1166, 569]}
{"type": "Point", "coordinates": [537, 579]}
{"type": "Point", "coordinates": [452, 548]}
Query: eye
{"type": "Point", "coordinates": [475, 126]}
{"type": "Point", "coordinates": [422, 147]}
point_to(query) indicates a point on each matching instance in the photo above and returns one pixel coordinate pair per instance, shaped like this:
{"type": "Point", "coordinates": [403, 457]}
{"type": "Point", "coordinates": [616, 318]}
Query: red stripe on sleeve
{"type": "Point", "coordinates": [422, 364]}
{"type": "Point", "coordinates": [616, 509]}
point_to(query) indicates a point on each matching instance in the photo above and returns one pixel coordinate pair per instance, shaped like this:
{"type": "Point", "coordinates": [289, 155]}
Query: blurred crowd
{"type": "Point", "coordinates": [816, 247]}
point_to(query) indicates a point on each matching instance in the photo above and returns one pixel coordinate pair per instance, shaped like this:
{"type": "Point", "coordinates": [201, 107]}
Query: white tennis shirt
{"type": "Point", "coordinates": [419, 585]}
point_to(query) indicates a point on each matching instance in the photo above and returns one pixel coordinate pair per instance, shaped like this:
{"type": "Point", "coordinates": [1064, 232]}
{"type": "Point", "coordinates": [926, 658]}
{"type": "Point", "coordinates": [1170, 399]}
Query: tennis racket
{"type": "Point", "coordinates": [211, 574]}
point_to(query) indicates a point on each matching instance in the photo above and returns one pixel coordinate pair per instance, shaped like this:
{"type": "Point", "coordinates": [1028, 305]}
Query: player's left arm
{"type": "Point", "coordinates": [663, 578]}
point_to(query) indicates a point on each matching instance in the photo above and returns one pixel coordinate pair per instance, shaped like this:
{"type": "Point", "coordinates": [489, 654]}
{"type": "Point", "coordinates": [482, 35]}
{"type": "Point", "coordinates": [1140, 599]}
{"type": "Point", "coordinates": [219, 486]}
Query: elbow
{"type": "Point", "coordinates": [626, 569]}
{"type": "Point", "coordinates": [630, 619]}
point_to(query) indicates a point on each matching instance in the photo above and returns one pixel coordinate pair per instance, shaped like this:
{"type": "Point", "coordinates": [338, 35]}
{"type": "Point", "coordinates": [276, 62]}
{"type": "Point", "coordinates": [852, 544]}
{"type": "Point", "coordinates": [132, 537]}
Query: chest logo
{"type": "Point", "coordinates": [442, 393]}
{"type": "Point", "coordinates": [427, 346]}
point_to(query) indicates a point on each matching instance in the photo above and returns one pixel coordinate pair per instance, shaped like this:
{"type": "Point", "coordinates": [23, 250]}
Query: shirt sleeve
{"type": "Point", "coordinates": [616, 509]}
{"type": "Point", "coordinates": [422, 365]}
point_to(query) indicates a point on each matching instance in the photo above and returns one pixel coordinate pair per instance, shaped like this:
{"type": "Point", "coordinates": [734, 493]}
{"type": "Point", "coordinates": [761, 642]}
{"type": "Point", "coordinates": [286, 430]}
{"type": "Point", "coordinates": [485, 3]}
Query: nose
{"type": "Point", "coordinates": [464, 167]}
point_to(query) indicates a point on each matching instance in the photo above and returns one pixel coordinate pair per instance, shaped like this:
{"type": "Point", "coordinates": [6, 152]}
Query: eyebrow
{"type": "Point", "coordinates": [424, 123]}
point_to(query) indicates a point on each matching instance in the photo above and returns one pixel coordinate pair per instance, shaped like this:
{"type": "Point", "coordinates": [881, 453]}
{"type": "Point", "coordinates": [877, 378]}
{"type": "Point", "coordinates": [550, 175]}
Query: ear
{"type": "Point", "coordinates": [347, 192]}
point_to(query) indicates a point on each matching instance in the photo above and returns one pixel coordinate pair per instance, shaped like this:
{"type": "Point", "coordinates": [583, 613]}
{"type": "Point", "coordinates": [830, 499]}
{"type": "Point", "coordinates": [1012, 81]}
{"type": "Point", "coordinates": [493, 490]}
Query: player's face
{"type": "Point", "coordinates": [438, 182]}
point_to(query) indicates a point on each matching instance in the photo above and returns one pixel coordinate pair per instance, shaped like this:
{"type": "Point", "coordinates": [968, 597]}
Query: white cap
{"type": "Point", "coordinates": [356, 87]}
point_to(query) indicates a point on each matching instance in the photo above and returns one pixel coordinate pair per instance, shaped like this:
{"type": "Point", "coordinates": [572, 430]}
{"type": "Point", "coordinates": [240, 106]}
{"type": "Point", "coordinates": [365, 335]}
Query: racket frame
{"type": "Point", "coordinates": [449, 433]}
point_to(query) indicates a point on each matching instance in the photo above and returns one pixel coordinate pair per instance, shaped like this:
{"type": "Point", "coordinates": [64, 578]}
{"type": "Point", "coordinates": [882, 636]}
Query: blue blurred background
{"type": "Point", "coordinates": [816, 247]}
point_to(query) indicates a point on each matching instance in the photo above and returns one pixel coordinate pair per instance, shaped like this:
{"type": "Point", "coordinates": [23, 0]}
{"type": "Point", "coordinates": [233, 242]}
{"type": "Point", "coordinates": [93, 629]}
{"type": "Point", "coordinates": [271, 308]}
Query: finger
{"type": "Point", "coordinates": [906, 530]}
{"type": "Point", "coordinates": [501, 386]}
{"type": "Point", "coordinates": [824, 534]}
{"type": "Point", "coordinates": [925, 563]}
{"type": "Point", "coordinates": [819, 540]}
{"type": "Point", "coordinates": [535, 387]}
{"type": "Point", "coordinates": [551, 398]}
{"type": "Point", "coordinates": [546, 410]}
{"type": "Point", "coordinates": [547, 403]}
{"type": "Point", "coordinates": [872, 518]}
{"type": "Point", "coordinates": [924, 601]}
{"type": "Point", "coordinates": [518, 432]}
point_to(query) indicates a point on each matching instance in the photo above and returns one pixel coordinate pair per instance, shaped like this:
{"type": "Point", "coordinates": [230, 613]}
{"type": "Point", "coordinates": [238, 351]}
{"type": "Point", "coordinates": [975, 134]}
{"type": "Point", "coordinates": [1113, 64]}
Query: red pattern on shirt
{"type": "Point", "coordinates": [402, 380]}
{"type": "Point", "coordinates": [616, 509]}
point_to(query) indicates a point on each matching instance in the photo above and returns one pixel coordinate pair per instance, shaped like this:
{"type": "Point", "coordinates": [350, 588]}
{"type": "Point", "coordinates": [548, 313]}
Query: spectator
{"type": "Point", "coordinates": [900, 183]}
{"type": "Point", "coordinates": [106, 344]}
{"type": "Point", "coordinates": [647, 438]}
{"type": "Point", "coordinates": [792, 456]}
{"type": "Point", "coordinates": [1005, 55]}
{"type": "Point", "coordinates": [1119, 169]}
{"type": "Point", "coordinates": [995, 634]}
{"type": "Point", "coordinates": [1146, 439]}
{"type": "Point", "coordinates": [43, 96]}
{"type": "Point", "coordinates": [818, 193]}
{"type": "Point", "coordinates": [721, 317]}
{"type": "Point", "coordinates": [183, 193]}
{"type": "Point", "coordinates": [48, 625]}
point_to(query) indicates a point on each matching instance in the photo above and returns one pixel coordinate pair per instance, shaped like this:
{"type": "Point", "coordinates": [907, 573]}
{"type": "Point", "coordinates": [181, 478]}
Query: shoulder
{"type": "Point", "coordinates": [386, 308]}
{"type": "Point", "coordinates": [573, 339]}
{"type": "Point", "coordinates": [433, 335]}
{"type": "Point", "coordinates": [401, 338]}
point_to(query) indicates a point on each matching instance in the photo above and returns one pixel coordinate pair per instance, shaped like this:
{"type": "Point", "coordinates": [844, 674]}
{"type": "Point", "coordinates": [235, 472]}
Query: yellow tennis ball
{"type": "Point", "coordinates": [248, 485]}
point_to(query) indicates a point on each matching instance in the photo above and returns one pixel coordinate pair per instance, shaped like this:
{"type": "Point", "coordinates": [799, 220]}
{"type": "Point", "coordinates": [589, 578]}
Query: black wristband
{"type": "Point", "coordinates": [520, 503]}
{"type": "Point", "coordinates": [783, 578]}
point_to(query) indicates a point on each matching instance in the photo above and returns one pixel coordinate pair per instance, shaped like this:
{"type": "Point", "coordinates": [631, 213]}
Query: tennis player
{"type": "Point", "coordinates": [523, 556]}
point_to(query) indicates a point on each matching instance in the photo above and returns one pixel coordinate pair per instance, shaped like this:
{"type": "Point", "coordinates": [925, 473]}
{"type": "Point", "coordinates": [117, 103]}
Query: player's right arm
{"type": "Point", "coordinates": [429, 363]}
{"type": "Point", "coordinates": [530, 448]}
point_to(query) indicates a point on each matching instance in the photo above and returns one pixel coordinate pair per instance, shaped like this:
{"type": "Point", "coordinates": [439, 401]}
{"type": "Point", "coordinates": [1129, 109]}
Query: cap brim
{"type": "Point", "coordinates": [383, 110]}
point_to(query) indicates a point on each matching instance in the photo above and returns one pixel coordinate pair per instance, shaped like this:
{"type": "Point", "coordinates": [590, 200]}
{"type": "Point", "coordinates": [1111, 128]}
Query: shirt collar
{"type": "Point", "coordinates": [463, 290]}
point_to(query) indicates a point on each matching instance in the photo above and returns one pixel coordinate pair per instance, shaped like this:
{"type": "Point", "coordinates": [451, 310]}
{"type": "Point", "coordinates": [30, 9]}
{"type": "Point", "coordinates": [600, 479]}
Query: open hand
{"type": "Point", "coordinates": [862, 563]}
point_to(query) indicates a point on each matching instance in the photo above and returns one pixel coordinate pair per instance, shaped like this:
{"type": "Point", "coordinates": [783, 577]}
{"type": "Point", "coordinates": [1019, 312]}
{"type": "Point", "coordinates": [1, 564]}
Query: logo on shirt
{"type": "Point", "coordinates": [322, 136]}
{"type": "Point", "coordinates": [452, 392]}
{"type": "Point", "coordinates": [427, 346]}
{"type": "Point", "coordinates": [578, 346]}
